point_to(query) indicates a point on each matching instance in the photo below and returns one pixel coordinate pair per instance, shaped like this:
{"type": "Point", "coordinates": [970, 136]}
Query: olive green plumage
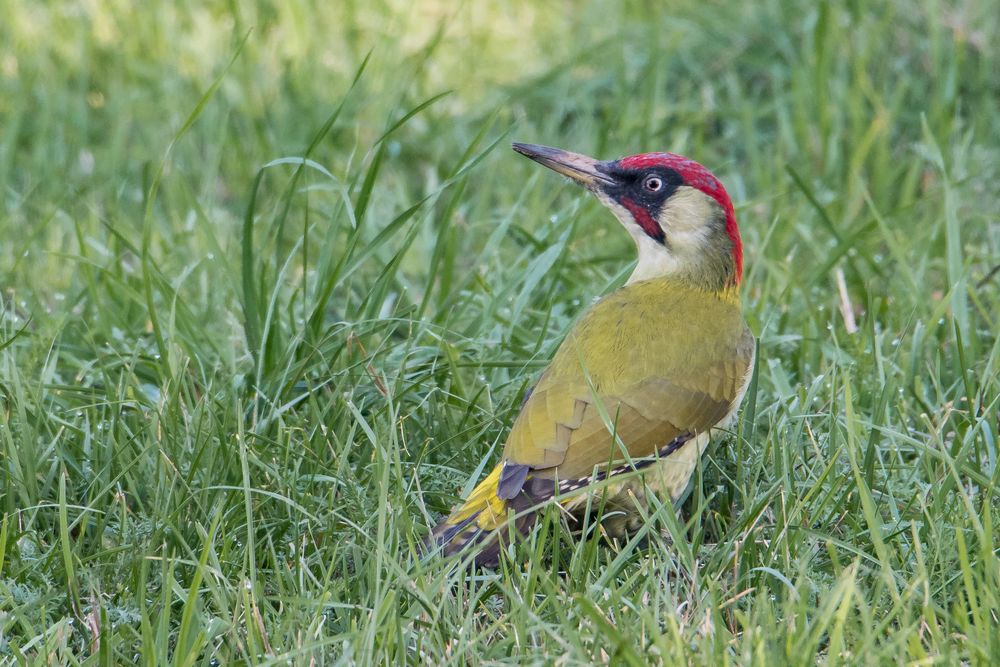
{"type": "Point", "coordinates": [645, 374]}
{"type": "Point", "coordinates": [662, 357]}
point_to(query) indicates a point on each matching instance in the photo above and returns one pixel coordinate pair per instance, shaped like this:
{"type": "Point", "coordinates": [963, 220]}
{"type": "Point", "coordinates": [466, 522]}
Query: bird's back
{"type": "Point", "coordinates": [647, 363]}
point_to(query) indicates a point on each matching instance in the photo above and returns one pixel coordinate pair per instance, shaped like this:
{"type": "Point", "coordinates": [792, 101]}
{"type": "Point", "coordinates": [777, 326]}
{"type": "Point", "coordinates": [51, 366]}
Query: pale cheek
{"type": "Point", "coordinates": [687, 241]}
{"type": "Point", "coordinates": [684, 217]}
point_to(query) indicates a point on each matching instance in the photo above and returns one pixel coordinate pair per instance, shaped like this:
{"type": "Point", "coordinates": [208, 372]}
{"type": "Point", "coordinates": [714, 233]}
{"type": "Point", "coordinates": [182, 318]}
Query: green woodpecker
{"type": "Point", "coordinates": [647, 372]}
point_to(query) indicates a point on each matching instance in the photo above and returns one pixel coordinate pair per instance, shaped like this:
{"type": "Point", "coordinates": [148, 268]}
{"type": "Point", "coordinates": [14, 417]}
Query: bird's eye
{"type": "Point", "coordinates": [653, 183]}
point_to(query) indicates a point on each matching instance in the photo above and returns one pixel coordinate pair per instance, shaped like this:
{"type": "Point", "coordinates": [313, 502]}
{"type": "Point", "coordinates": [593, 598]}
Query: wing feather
{"type": "Point", "coordinates": [674, 378]}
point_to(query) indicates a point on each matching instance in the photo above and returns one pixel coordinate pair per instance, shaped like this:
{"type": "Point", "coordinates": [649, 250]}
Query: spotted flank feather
{"type": "Point", "coordinates": [513, 492]}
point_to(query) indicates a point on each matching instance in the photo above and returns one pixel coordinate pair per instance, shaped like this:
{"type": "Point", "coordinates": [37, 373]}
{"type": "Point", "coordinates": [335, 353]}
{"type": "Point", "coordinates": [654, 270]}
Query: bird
{"type": "Point", "coordinates": [645, 375]}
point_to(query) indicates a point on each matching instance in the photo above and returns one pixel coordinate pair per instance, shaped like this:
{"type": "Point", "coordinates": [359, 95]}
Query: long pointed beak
{"type": "Point", "coordinates": [582, 169]}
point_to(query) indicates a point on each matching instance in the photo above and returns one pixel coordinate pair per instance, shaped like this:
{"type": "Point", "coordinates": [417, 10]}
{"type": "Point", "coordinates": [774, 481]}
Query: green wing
{"type": "Point", "coordinates": [649, 362]}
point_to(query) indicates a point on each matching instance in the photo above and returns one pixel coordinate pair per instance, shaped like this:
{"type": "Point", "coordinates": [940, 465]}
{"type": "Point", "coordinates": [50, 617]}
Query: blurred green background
{"type": "Point", "coordinates": [273, 284]}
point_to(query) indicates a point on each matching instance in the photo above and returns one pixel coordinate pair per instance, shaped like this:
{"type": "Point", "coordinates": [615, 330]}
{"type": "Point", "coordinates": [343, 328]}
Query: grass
{"type": "Point", "coordinates": [274, 285]}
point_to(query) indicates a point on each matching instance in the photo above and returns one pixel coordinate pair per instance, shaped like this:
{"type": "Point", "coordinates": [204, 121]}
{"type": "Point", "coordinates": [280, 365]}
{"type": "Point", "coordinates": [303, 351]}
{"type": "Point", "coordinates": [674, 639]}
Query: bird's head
{"type": "Point", "coordinates": [676, 210]}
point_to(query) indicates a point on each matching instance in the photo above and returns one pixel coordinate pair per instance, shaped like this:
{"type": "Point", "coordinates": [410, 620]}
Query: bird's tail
{"type": "Point", "coordinates": [481, 521]}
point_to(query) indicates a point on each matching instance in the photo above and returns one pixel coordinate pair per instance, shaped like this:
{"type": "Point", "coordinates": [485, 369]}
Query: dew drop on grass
{"type": "Point", "coordinates": [151, 391]}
